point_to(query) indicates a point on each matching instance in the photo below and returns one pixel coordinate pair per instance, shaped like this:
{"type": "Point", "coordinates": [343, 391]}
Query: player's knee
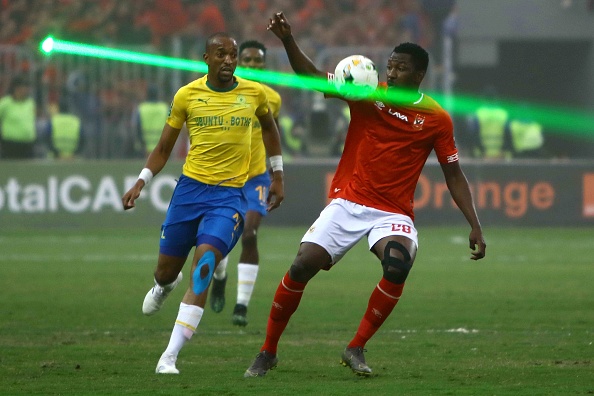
{"type": "Point", "coordinates": [203, 272]}
{"type": "Point", "coordinates": [396, 262]}
{"type": "Point", "coordinates": [308, 262]}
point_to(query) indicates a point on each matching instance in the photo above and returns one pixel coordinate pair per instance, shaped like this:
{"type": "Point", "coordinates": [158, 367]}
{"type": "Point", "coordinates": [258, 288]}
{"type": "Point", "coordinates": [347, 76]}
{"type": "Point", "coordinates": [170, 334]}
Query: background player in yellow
{"type": "Point", "coordinates": [207, 209]}
{"type": "Point", "coordinates": [252, 54]}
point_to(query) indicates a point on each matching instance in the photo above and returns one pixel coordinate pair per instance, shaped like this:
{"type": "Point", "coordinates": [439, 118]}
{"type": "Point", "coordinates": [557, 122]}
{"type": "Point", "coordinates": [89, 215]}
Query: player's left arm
{"type": "Point", "coordinates": [460, 191]}
{"type": "Point", "coordinates": [271, 139]}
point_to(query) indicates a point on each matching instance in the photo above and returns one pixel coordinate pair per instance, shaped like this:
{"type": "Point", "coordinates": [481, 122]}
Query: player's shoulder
{"type": "Point", "coordinates": [194, 85]}
{"type": "Point", "coordinates": [271, 93]}
{"type": "Point", "coordinates": [432, 105]}
{"type": "Point", "coordinates": [245, 84]}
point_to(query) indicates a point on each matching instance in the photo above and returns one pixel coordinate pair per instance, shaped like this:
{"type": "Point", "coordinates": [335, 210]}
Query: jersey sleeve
{"type": "Point", "coordinates": [262, 108]}
{"type": "Point", "coordinates": [275, 104]}
{"type": "Point", "coordinates": [178, 109]}
{"type": "Point", "coordinates": [445, 145]}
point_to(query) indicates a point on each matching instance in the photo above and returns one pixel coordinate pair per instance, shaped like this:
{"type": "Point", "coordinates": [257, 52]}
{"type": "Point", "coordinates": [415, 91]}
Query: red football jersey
{"type": "Point", "coordinates": [386, 148]}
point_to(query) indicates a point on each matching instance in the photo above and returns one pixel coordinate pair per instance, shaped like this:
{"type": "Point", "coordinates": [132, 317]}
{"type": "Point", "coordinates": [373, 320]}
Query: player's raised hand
{"type": "Point", "coordinates": [477, 244]}
{"type": "Point", "coordinates": [279, 25]}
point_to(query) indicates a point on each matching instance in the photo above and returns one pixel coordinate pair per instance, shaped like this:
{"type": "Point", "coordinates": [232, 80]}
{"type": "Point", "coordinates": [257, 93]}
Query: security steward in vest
{"type": "Point", "coordinates": [149, 120]}
{"type": "Point", "coordinates": [527, 138]}
{"type": "Point", "coordinates": [18, 133]}
{"type": "Point", "coordinates": [66, 134]}
{"type": "Point", "coordinates": [489, 130]}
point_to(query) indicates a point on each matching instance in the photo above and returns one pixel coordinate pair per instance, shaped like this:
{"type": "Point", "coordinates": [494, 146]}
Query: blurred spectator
{"type": "Point", "coordinates": [148, 120]}
{"type": "Point", "coordinates": [292, 138]}
{"type": "Point", "coordinates": [340, 130]}
{"type": "Point", "coordinates": [437, 13]}
{"type": "Point", "coordinates": [489, 129]}
{"type": "Point", "coordinates": [65, 132]}
{"type": "Point", "coordinates": [84, 102]}
{"type": "Point", "coordinates": [526, 135]}
{"type": "Point", "coordinates": [17, 121]}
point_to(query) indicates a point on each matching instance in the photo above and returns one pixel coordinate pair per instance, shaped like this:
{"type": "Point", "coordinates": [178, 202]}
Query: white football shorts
{"type": "Point", "coordinates": [343, 223]}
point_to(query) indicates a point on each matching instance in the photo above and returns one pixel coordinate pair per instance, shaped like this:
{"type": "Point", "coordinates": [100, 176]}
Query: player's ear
{"type": "Point", "coordinates": [205, 57]}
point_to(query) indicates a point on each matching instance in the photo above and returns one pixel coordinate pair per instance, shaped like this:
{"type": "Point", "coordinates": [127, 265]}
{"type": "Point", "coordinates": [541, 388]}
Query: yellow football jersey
{"type": "Point", "coordinates": [258, 161]}
{"type": "Point", "coordinates": [219, 124]}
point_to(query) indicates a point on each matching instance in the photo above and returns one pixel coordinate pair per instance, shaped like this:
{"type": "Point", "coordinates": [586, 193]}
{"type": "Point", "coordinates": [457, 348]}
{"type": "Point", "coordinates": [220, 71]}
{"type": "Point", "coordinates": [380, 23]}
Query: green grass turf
{"type": "Point", "coordinates": [520, 322]}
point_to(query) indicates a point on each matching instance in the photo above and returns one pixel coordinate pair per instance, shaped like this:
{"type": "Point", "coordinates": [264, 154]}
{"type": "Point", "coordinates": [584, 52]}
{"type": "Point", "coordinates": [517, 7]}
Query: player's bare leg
{"type": "Point", "coordinates": [247, 269]}
{"type": "Point", "coordinates": [191, 308]}
{"type": "Point", "coordinates": [311, 258]}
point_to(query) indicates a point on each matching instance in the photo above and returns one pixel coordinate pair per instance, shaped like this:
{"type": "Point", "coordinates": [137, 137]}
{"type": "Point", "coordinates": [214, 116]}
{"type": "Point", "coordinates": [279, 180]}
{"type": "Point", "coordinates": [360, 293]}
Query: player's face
{"type": "Point", "coordinates": [252, 58]}
{"type": "Point", "coordinates": [221, 58]}
{"type": "Point", "coordinates": [401, 72]}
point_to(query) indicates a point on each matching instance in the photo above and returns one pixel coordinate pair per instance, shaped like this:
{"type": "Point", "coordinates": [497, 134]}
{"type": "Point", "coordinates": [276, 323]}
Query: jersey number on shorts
{"type": "Point", "coordinates": [401, 228]}
{"type": "Point", "coordinates": [262, 193]}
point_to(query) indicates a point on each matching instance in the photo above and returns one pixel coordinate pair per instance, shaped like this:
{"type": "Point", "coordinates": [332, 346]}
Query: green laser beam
{"type": "Point", "coordinates": [570, 121]}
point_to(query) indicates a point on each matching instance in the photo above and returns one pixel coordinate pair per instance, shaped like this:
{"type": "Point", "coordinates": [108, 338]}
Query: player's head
{"type": "Point", "coordinates": [221, 58]}
{"type": "Point", "coordinates": [407, 66]}
{"type": "Point", "coordinates": [252, 54]}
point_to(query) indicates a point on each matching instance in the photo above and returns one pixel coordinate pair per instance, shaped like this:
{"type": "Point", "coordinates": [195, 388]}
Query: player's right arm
{"type": "Point", "coordinates": [155, 163]}
{"type": "Point", "coordinates": [160, 154]}
{"type": "Point", "coordinates": [301, 64]}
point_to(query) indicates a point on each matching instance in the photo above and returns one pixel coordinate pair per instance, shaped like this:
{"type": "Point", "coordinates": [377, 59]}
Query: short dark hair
{"type": "Point", "coordinates": [420, 57]}
{"type": "Point", "coordinates": [253, 44]}
{"type": "Point", "coordinates": [216, 35]}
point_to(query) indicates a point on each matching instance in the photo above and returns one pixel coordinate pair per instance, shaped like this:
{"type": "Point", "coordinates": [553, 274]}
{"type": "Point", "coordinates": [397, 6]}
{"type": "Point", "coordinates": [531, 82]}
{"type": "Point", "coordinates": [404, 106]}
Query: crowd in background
{"type": "Point", "coordinates": [108, 110]}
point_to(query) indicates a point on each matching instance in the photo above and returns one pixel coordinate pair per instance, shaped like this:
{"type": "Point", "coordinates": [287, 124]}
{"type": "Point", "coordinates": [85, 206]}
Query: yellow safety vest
{"type": "Point", "coordinates": [492, 123]}
{"type": "Point", "coordinates": [18, 120]}
{"type": "Point", "coordinates": [65, 133]}
{"type": "Point", "coordinates": [152, 118]}
{"type": "Point", "coordinates": [526, 135]}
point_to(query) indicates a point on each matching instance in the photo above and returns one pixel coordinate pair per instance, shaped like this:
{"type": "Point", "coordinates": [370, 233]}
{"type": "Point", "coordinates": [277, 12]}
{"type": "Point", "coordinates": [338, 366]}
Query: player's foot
{"type": "Point", "coordinates": [153, 301]}
{"type": "Point", "coordinates": [354, 358]}
{"type": "Point", "coordinates": [217, 295]}
{"type": "Point", "coordinates": [239, 315]}
{"type": "Point", "coordinates": [264, 361]}
{"type": "Point", "coordinates": [166, 365]}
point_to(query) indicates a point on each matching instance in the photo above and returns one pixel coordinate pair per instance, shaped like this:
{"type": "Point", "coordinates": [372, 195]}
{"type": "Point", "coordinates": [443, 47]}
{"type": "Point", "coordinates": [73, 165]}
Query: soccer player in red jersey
{"type": "Point", "coordinates": [372, 193]}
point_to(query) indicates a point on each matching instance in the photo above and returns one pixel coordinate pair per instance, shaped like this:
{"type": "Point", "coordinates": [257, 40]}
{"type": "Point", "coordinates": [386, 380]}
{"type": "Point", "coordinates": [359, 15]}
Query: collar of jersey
{"type": "Point", "coordinates": [232, 87]}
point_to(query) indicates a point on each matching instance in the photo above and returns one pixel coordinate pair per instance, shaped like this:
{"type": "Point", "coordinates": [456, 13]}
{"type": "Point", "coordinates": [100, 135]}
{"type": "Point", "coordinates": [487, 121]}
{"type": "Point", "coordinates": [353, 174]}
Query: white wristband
{"type": "Point", "coordinates": [276, 162]}
{"type": "Point", "coordinates": [146, 175]}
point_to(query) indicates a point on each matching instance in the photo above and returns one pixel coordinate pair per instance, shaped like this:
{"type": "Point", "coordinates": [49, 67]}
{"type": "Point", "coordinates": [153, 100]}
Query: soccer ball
{"type": "Point", "coordinates": [355, 76]}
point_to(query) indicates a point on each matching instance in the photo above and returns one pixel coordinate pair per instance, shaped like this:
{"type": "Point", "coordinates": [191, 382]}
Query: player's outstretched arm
{"type": "Point", "coordinates": [301, 64]}
{"type": "Point", "coordinates": [460, 191]}
{"type": "Point", "coordinates": [154, 164]}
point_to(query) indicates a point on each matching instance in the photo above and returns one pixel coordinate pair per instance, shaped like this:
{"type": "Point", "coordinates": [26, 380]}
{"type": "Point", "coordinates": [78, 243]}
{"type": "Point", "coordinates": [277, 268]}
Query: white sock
{"type": "Point", "coordinates": [185, 326]}
{"type": "Point", "coordinates": [221, 270]}
{"type": "Point", "coordinates": [246, 280]}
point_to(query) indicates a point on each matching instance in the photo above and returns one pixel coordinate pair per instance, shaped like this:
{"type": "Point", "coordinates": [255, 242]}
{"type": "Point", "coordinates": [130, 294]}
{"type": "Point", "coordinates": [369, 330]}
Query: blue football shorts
{"type": "Point", "coordinates": [256, 190]}
{"type": "Point", "coordinates": [202, 213]}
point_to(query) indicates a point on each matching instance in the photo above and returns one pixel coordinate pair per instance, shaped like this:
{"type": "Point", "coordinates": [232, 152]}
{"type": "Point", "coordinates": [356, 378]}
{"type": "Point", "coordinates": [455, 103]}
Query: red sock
{"type": "Point", "coordinates": [286, 300]}
{"type": "Point", "coordinates": [381, 303]}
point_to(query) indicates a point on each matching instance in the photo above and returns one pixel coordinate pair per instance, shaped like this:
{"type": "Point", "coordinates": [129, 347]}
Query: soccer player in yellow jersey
{"type": "Point", "coordinates": [252, 54]}
{"type": "Point", "coordinates": [208, 206]}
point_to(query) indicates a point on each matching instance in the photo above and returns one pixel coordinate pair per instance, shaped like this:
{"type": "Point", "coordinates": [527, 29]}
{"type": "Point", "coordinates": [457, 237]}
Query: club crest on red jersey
{"type": "Point", "coordinates": [418, 122]}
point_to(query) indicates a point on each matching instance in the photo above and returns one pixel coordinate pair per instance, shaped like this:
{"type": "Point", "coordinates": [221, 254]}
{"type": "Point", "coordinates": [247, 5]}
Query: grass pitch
{"type": "Point", "coordinates": [520, 322]}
